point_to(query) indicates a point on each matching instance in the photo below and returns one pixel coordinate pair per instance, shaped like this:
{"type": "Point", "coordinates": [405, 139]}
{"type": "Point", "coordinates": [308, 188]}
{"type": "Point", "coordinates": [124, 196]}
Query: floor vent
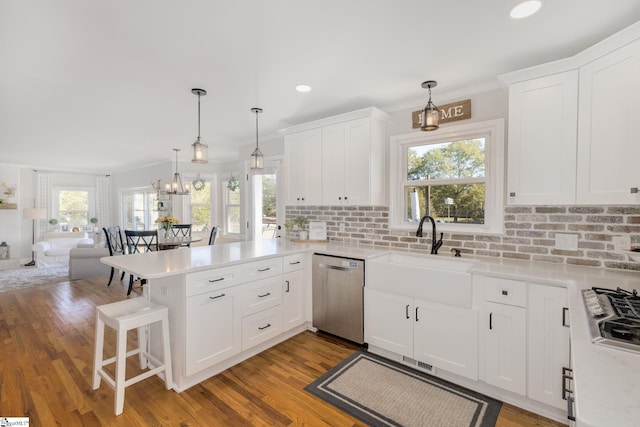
{"type": "Point", "coordinates": [425, 366]}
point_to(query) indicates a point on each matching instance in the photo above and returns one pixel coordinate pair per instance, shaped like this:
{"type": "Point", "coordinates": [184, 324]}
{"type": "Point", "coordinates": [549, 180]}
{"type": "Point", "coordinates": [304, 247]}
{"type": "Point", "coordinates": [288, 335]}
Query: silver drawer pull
{"type": "Point", "coordinates": [216, 280]}
{"type": "Point", "coordinates": [264, 269]}
{"type": "Point", "coordinates": [294, 263]}
{"type": "Point", "coordinates": [264, 327]}
{"type": "Point", "coordinates": [216, 297]}
{"type": "Point", "coordinates": [264, 295]}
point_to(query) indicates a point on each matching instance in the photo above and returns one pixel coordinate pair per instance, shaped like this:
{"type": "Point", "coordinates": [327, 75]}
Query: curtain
{"type": "Point", "coordinates": [104, 201]}
{"type": "Point", "coordinates": [44, 199]}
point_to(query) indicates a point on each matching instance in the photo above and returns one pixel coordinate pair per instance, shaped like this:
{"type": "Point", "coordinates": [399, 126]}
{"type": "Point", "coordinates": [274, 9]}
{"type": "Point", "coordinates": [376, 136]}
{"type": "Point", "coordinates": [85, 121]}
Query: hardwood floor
{"type": "Point", "coordinates": [46, 356]}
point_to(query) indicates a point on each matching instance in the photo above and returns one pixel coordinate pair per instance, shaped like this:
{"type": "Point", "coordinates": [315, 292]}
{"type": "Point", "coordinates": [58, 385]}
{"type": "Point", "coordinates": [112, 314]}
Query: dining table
{"type": "Point", "coordinates": [176, 241]}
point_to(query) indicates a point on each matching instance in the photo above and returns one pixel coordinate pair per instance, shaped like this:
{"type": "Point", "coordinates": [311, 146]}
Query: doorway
{"type": "Point", "coordinates": [266, 201]}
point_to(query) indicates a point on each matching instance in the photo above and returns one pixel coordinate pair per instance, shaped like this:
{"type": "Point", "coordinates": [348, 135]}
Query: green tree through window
{"type": "Point", "coordinates": [446, 181]}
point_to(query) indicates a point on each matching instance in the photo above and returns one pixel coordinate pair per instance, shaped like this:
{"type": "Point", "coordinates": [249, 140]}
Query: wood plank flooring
{"type": "Point", "coordinates": [46, 356]}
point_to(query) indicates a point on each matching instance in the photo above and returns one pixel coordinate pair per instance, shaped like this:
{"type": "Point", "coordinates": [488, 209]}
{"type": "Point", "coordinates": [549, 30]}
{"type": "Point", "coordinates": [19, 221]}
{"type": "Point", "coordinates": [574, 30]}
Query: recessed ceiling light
{"type": "Point", "coordinates": [303, 88]}
{"type": "Point", "coordinates": [526, 8]}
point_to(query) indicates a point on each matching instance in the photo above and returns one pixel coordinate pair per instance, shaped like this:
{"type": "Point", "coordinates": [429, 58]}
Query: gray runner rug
{"type": "Point", "coordinates": [380, 392]}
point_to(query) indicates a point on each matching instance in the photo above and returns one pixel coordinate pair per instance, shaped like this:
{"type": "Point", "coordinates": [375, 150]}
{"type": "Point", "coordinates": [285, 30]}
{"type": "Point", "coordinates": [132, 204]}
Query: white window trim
{"type": "Point", "coordinates": [494, 174]}
{"type": "Point", "coordinates": [91, 199]}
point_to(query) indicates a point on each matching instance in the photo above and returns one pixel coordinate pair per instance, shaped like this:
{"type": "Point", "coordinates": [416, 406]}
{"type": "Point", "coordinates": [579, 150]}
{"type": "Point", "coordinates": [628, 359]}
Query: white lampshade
{"type": "Point", "coordinates": [34, 213]}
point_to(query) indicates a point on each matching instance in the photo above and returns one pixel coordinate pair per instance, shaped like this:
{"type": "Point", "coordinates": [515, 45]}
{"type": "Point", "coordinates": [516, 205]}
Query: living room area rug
{"type": "Point", "coordinates": [381, 392]}
{"type": "Point", "coordinates": [25, 277]}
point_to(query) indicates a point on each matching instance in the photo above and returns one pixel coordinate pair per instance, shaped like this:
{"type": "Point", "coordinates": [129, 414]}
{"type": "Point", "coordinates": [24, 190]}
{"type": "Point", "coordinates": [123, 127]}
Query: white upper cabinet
{"type": "Point", "coordinates": [346, 161]}
{"type": "Point", "coordinates": [608, 134]}
{"type": "Point", "coordinates": [543, 114]}
{"type": "Point", "coordinates": [302, 151]}
{"type": "Point", "coordinates": [572, 132]}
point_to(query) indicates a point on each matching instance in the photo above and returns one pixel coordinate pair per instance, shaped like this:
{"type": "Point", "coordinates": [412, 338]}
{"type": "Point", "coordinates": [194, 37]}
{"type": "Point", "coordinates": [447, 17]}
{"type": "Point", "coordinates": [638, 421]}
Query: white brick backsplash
{"type": "Point", "coordinates": [529, 233]}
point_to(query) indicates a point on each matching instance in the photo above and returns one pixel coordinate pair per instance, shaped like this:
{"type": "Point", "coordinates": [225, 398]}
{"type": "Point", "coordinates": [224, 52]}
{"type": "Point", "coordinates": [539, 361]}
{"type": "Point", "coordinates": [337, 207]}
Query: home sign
{"type": "Point", "coordinates": [453, 112]}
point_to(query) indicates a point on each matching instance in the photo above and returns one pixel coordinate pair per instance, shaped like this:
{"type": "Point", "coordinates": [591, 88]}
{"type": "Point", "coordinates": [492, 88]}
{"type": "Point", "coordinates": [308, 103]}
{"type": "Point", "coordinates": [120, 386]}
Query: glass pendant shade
{"type": "Point", "coordinates": [176, 186]}
{"type": "Point", "coordinates": [199, 152]}
{"type": "Point", "coordinates": [257, 159]}
{"type": "Point", "coordinates": [430, 114]}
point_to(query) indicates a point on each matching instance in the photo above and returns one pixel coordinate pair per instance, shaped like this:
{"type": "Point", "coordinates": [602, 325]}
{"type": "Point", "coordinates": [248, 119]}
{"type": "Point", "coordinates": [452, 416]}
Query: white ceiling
{"type": "Point", "coordinates": [105, 86]}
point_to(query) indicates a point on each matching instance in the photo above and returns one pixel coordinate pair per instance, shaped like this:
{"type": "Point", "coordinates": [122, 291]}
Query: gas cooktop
{"type": "Point", "coordinates": [614, 317]}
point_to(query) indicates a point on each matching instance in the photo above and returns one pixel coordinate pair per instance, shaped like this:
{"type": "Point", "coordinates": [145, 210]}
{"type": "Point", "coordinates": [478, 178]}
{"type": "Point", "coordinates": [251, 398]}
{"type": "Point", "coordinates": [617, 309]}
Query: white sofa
{"type": "Point", "coordinates": [54, 249]}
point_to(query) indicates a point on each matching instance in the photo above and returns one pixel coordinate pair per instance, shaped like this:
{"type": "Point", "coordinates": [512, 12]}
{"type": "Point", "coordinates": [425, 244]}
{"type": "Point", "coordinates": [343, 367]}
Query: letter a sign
{"type": "Point", "coordinates": [448, 113]}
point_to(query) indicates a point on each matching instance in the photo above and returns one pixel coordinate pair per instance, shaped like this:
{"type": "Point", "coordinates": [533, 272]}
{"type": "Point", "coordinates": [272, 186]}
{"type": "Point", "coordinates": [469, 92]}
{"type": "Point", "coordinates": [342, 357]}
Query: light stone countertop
{"type": "Point", "coordinates": [606, 381]}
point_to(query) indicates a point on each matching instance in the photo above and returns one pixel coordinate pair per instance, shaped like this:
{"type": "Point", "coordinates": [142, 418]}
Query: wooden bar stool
{"type": "Point", "coordinates": [123, 316]}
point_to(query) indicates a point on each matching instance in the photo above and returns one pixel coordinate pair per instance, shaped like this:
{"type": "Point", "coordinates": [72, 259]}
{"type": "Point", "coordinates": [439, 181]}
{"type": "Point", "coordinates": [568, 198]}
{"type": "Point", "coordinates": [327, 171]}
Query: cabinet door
{"type": "Point", "coordinates": [543, 116]}
{"type": "Point", "coordinates": [388, 321]}
{"type": "Point", "coordinates": [213, 329]}
{"type": "Point", "coordinates": [333, 156]}
{"type": "Point", "coordinates": [446, 337]}
{"type": "Point", "coordinates": [357, 173]}
{"type": "Point", "coordinates": [548, 343]}
{"type": "Point", "coordinates": [293, 299]}
{"type": "Point", "coordinates": [505, 347]}
{"type": "Point", "coordinates": [303, 153]}
{"type": "Point", "coordinates": [608, 134]}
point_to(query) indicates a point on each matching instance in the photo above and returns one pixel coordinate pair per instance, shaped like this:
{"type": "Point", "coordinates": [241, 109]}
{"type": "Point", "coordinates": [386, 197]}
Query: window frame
{"type": "Point", "coordinates": [91, 200]}
{"type": "Point", "coordinates": [226, 205]}
{"type": "Point", "coordinates": [150, 207]}
{"type": "Point", "coordinates": [209, 179]}
{"type": "Point", "coordinates": [493, 131]}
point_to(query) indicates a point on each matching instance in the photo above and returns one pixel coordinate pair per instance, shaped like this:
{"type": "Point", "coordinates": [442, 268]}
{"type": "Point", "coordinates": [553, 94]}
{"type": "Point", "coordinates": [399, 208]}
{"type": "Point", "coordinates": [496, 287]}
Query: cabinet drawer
{"type": "Point", "coordinates": [211, 280]}
{"type": "Point", "coordinates": [261, 294]}
{"type": "Point", "coordinates": [261, 327]}
{"type": "Point", "coordinates": [294, 262]}
{"type": "Point", "coordinates": [260, 269]}
{"type": "Point", "coordinates": [505, 291]}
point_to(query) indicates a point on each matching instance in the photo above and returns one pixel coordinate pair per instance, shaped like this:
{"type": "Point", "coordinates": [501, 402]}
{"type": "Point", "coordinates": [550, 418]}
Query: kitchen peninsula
{"type": "Point", "coordinates": [230, 302]}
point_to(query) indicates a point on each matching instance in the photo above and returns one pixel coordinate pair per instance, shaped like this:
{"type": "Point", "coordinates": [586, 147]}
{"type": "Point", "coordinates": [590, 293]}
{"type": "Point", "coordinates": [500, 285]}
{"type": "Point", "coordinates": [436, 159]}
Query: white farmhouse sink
{"type": "Point", "coordinates": [428, 261]}
{"type": "Point", "coordinates": [429, 277]}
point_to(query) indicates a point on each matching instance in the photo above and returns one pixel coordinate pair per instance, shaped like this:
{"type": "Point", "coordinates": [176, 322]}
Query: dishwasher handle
{"type": "Point", "coordinates": [334, 267]}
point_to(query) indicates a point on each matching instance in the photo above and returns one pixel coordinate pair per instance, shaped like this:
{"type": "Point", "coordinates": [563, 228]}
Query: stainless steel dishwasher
{"type": "Point", "coordinates": [338, 296]}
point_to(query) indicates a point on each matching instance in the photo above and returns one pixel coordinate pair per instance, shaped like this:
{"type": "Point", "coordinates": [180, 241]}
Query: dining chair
{"type": "Point", "coordinates": [113, 236]}
{"type": "Point", "coordinates": [140, 242]}
{"type": "Point", "coordinates": [212, 236]}
{"type": "Point", "coordinates": [181, 231]}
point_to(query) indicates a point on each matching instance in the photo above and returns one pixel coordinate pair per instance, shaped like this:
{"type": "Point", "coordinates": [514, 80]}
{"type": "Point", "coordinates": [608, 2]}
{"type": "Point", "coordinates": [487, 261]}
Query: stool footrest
{"type": "Point", "coordinates": [110, 360]}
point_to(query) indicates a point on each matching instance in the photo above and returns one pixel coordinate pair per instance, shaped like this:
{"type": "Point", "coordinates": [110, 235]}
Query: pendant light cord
{"type": "Point", "coordinates": [199, 117]}
{"type": "Point", "coordinates": [257, 129]}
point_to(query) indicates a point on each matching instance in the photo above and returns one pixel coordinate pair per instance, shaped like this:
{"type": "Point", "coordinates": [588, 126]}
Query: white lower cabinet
{"type": "Point", "coordinates": [548, 343]}
{"type": "Point", "coordinates": [441, 336]}
{"type": "Point", "coordinates": [526, 337]}
{"type": "Point", "coordinates": [221, 322]}
{"type": "Point", "coordinates": [446, 337]}
{"type": "Point", "coordinates": [213, 328]}
{"type": "Point", "coordinates": [261, 327]}
{"type": "Point", "coordinates": [293, 299]}
{"type": "Point", "coordinates": [388, 321]}
{"type": "Point", "coordinates": [505, 347]}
